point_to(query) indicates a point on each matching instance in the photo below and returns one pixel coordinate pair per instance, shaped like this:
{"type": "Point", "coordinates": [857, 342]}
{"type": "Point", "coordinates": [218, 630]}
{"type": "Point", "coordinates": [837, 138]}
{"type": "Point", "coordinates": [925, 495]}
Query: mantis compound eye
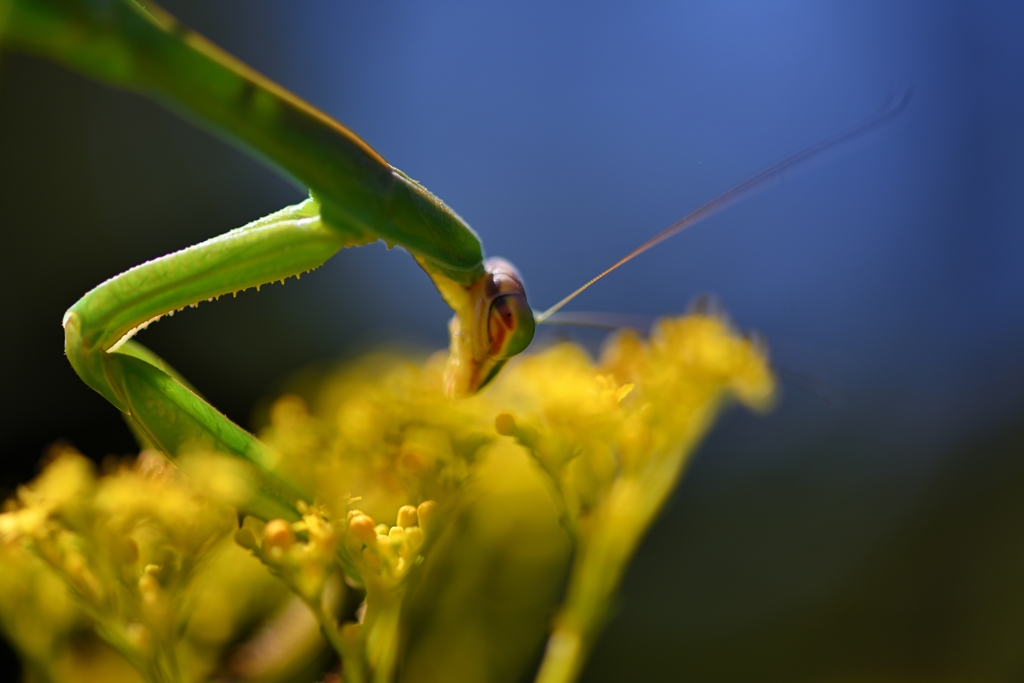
{"type": "Point", "coordinates": [510, 326]}
{"type": "Point", "coordinates": [496, 325]}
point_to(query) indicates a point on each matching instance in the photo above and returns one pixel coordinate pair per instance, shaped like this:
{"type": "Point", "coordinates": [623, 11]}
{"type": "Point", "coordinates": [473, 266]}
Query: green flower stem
{"type": "Point", "coordinates": [351, 656]}
{"type": "Point", "coordinates": [110, 631]}
{"type": "Point", "coordinates": [601, 560]}
{"type": "Point", "coordinates": [605, 545]}
{"type": "Point", "coordinates": [383, 609]}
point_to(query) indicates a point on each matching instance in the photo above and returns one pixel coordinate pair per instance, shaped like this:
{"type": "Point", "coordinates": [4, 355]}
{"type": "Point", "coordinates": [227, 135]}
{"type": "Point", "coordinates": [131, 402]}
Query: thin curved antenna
{"type": "Point", "coordinates": [610, 322]}
{"type": "Point", "coordinates": [892, 107]}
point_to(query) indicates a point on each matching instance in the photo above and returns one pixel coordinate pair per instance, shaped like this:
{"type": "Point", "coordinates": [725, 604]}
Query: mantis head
{"type": "Point", "coordinates": [493, 324]}
{"type": "Point", "coordinates": [504, 320]}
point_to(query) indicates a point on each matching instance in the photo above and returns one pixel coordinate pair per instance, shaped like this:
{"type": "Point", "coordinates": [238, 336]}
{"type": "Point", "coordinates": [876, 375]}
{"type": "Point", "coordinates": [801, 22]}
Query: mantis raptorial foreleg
{"type": "Point", "coordinates": [146, 49]}
{"type": "Point", "coordinates": [163, 409]}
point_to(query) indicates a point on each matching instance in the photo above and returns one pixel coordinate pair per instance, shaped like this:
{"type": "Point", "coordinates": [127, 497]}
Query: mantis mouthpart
{"type": "Point", "coordinates": [356, 197]}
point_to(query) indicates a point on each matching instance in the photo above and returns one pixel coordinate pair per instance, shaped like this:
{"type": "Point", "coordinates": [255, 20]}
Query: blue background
{"type": "Point", "coordinates": [875, 533]}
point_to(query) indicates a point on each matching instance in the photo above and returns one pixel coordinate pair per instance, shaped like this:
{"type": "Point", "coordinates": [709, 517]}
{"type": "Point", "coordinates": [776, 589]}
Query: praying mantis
{"type": "Point", "coordinates": [356, 197]}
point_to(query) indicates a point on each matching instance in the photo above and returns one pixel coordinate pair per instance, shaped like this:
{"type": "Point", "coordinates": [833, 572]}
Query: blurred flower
{"type": "Point", "coordinates": [611, 439]}
{"type": "Point", "coordinates": [435, 535]}
{"type": "Point", "coordinates": [614, 439]}
{"type": "Point", "coordinates": [136, 552]}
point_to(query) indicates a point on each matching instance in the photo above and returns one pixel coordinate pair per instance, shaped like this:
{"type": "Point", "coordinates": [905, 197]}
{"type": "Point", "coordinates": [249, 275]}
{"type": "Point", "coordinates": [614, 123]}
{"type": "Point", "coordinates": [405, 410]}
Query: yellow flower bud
{"type": "Point", "coordinates": [424, 512]}
{"type": "Point", "coordinates": [278, 537]}
{"type": "Point", "coordinates": [407, 516]}
{"type": "Point", "coordinates": [361, 526]}
{"type": "Point", "coordinates": [397, 535]}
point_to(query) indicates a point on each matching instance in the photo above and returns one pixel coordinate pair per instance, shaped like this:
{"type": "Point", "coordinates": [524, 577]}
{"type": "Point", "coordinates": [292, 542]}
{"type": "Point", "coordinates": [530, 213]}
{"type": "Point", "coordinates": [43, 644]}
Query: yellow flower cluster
{"type": "Point", "coordinates": [599, 444]}
{"type": "Point", "coordinates": [37, 612]}
{"type": "Point", "coordinates": [636, 413]}
{"type": "Point", "coordinates": [380, 429]}
{"type": "Point", "coordinates": [614, 440]}
{"type": "Point", "coordinates": [389, 551]}
{"type": "Point", "coordinates": [611, 438]}
{"type": "Point", "coordinates": [137, 553]}
{"type": "Point", "coordinates": [311, 554]}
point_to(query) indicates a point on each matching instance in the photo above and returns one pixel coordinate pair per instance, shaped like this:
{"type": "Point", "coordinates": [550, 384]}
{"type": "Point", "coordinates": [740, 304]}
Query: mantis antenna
{"type": "Point", "coordinates": [890, 109]}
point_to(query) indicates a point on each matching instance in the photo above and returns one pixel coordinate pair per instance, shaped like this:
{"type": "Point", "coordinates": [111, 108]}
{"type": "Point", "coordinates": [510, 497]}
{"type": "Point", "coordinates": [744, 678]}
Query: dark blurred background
{"type": "Point", "coordinates": [871, 528]}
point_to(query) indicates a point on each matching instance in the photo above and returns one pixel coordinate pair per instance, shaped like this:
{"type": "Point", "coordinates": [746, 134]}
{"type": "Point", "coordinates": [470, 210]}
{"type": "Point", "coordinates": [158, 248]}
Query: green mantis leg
{"type": "Point", "coordinates": [147, 50]}
{"type": "Point", "coordinates": [168, 413]}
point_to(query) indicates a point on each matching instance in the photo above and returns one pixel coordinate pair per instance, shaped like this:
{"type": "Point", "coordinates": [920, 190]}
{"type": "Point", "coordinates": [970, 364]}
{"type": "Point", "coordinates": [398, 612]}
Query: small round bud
{"type": "Point", "coordinates": [387, 550]}
{"type": "Point", "coordinates": [425, 511]}
{"type": "Point", "coordinates": [397, 535]}
{"type": "Point", "coordinates": [278, 535]}
{"type": "Point", "coordinates": [361, 526]}
{"type": "Point", "coordinates": [407, 516]}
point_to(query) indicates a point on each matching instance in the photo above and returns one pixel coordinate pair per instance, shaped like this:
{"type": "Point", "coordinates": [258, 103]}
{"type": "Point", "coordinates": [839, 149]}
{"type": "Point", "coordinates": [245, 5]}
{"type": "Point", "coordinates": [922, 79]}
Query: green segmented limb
{"type": "Point", "coordinates": [359, 198]}
{"type": "Point", "coordinates": [119, 42]}
{"type": "Point", "coordinates": [166, 411]}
